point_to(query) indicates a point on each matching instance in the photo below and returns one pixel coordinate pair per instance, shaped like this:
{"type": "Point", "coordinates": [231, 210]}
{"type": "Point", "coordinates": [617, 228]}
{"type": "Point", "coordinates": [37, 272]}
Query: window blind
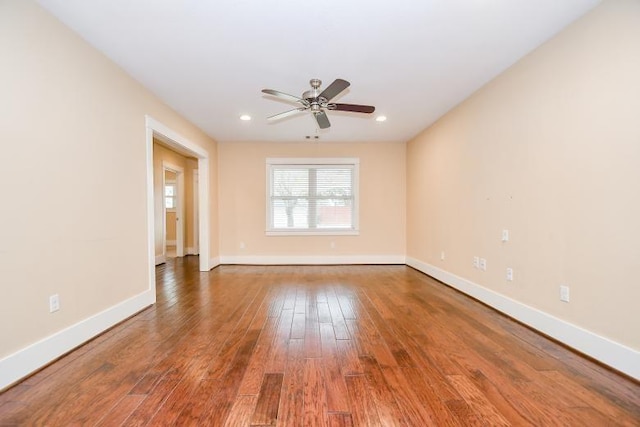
{"type": "Point", "coordinates": [313, 197]}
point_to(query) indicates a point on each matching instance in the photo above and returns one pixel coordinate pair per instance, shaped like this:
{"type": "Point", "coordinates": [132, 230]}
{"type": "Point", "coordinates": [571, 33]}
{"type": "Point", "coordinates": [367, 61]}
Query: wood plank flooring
{"type": "Point", "coordinates": [318, 346]}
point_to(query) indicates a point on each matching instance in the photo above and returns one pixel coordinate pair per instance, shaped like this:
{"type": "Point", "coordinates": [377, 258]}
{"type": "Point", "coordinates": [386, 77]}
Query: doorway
{"type": "Point", "coordinates": [173, 206]}
{"type": "Point", "coordinates": [155, 129]}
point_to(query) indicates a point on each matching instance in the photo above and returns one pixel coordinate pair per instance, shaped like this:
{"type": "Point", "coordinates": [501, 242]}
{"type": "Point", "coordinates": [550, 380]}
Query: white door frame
{"type": "Point", "coordinates": [195, 249]}
{"type": "Point", "coordinates": [180, 222]}
{"type": "Point", "coordinates": [156, 129]}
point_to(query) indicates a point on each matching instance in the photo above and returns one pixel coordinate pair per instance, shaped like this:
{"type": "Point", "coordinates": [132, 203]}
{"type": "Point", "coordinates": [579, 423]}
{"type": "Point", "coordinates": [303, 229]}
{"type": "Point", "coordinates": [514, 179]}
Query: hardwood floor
{"type": "Point", "coordinates": [318, 346]}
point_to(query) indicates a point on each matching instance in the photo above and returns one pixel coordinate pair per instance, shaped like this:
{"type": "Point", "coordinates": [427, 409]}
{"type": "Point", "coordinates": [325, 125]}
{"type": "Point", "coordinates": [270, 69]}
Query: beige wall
{"type": "Point", "coordinates": [551, 151]}
{"type": "Point", "coordinates": [69, 118]}
{"type": "Point", "coordinates": [242, 175]}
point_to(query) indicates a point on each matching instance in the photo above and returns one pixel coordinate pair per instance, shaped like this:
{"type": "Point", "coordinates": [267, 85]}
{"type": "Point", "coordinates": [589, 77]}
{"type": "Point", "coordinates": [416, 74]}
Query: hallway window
{"type": "Point", "coordinates": [312, 196]}
{"type": "Point", "coordinates": [170, 195]}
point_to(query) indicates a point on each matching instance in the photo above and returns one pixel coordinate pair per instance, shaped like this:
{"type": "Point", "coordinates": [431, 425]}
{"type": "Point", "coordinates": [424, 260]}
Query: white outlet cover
{"type": "Point", "coordinates": [505, 235]}
{"type": "Point", "coordinates": [564, 293]}
{"type": "Point", "coordinates": [510, 274]}
{"type": "Point", "coordinates": [483, 264]}
{"type": "Point", "coordinates": [54, 303]}
{"type": "Point", "coordinates": [476, 262]}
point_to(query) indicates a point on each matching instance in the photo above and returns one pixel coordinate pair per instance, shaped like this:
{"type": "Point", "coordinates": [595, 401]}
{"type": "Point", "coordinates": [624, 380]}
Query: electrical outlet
{"type": "Point", "coordinates": [505, 235]}
{"type": "Point", "coordinates": [510, 274]}
{"type": "Point", "coordinates": [54, 303]}
{"type": "Point", "coordinates": [564, 293]}
{"type": "Point", "coordinates": [442, 255]}
{"type": "Point", "coordinates": [483, 264]}
{"type": "Point", "coordinates": [476, 262]}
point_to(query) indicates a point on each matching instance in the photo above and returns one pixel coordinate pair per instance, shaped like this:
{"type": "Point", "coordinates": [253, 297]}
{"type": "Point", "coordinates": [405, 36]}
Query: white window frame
{"type": "Point", "coordinates": [351, 161]}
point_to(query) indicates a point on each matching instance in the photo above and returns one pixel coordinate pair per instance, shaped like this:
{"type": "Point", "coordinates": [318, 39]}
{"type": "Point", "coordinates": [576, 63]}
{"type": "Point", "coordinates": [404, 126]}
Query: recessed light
{"type": "Point", "coordinates": [381, 118]}
{"type": "Point", "coordinates": [245, 117]}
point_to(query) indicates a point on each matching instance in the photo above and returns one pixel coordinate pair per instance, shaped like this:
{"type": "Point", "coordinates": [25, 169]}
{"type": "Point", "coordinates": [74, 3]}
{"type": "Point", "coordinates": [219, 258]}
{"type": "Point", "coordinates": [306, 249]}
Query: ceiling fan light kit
{"type": "Point", "coordinates": [317, 102]}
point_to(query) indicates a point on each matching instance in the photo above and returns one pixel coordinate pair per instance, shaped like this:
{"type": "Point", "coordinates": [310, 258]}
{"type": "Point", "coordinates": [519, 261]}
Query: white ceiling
{"type": "Point", "coordinates": [413, 59]}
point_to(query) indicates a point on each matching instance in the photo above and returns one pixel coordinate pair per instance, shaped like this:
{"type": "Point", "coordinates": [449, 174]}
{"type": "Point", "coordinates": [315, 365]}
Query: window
{"type": "Point", "coordinates": [312, 196]}
{"type": "Point", "coordinates": [170, 195]}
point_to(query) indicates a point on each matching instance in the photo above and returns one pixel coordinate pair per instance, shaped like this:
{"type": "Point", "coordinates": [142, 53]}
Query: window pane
{"type": "Point", "coordinates": [334, 182]}
{"type": "Point", "coordinates": [290, 213]}
{"type": "Point", "coordinates": [334, 213]}
{"type": "Point", "coordinates": [290, 182]}
{"type": "Point", "coordinates": [169, 202]}
{"type": "Point", "coordinates": [169, 190]}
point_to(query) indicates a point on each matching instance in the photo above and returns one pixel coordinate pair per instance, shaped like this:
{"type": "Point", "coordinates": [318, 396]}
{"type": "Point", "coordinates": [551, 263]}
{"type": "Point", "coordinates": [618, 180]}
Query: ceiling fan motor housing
{"type": "Point", "coordinates": [313, 94]}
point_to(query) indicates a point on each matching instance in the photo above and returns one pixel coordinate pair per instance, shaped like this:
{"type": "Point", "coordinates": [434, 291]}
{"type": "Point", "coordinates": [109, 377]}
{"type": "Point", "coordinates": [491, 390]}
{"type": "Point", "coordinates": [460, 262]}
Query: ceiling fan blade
{"type": "Point", "coordinates": [352, 107]}
{"type": "Point", "coordinates": [285, 96]}
{"type": "Point", "coordinates": [285, 114]}
{"type": "Point", "coordinates": [334, 89]}
{"type": "Point", "coordinates": [322, 119]}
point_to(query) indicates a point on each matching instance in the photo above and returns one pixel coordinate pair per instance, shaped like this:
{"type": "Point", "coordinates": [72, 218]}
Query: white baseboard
{"type": "Point", "coordinates": [170, 242]}
{"type": "Point", "coordinates": [160, 259]}
{"type": "Point", "coordinates": [28, 360]}
{"type": "Point", "coordinates": [190, 251]}
{"type": "Point", "coordinates": [214, 262]}
{"type": "Point", "coordinates": [313, 260]}
{"type": "Point", "coordinates": [616, 355]}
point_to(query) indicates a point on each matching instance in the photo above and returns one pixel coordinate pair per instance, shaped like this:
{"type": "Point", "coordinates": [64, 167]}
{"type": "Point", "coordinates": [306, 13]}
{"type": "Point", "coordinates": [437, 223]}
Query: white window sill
{"type": "Point", "coordinates": [312, 233]}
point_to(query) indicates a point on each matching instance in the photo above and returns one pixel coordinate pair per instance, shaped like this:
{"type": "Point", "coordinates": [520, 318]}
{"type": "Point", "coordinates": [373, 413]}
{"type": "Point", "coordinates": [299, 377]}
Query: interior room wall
{"type": "Point", "coordinates": [242, 201]}
{"type": "Point", "coordinates": [69, 118]}
{"type": "Point", "coordinates": [550, 151]}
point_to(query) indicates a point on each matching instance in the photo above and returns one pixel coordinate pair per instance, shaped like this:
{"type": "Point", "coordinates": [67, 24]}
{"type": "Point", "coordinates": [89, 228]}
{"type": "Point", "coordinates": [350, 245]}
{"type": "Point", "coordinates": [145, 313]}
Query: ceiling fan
{"type": "Point", "coordinates": [317, 102]}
